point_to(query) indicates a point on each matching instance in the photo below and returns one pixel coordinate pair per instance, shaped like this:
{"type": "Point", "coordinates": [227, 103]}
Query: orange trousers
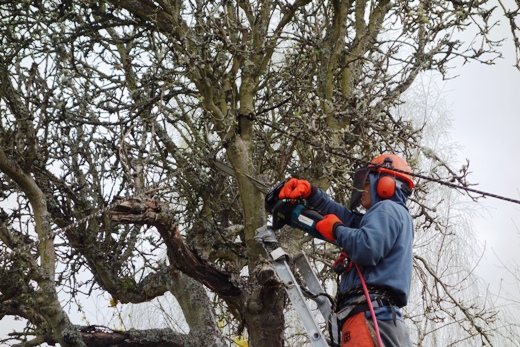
{"type": "Point", "coordinates": [358, 332]}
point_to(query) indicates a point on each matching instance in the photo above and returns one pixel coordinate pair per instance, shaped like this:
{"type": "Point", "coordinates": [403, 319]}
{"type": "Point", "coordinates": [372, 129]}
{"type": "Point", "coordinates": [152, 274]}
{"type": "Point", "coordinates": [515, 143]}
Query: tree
{"type": "Point", "coordinates": [111, 112]}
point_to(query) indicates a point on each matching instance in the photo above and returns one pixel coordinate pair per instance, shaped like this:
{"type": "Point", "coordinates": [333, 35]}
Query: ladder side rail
{"type": "Point", "coordinates": [311, 280]}
{"type": "Point", "coordinates": [265, 235]}
{"type": "Point", "coordinates": [298, 301]}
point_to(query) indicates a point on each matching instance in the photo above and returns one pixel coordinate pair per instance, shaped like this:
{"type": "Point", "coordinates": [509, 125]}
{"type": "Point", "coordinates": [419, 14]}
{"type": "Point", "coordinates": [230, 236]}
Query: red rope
{"type": "Point", "coordinates": [369, 302]}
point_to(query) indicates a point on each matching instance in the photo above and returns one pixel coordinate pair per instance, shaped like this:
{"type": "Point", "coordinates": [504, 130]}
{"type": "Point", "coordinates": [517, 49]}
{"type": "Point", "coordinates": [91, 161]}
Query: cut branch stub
{"type": "Point", "coordinates": [181, 257]}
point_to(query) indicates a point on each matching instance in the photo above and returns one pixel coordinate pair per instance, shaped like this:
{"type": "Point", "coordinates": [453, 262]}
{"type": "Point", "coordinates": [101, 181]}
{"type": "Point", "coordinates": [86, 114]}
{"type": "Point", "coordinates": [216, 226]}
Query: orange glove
{"type": "Point", "coordinates": [327, 225]}
{"type": "Point", "coordinates": [295, 188]}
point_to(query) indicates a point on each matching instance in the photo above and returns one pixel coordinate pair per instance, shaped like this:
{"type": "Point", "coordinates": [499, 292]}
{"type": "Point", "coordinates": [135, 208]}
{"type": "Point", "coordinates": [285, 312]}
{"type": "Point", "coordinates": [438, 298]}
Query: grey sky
{"type": "Point", "coordinates": [485, 101]}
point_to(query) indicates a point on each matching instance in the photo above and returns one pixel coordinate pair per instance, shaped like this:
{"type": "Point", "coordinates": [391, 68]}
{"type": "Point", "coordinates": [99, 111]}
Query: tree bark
{"type": "Point", "coordinates": [98, 336]}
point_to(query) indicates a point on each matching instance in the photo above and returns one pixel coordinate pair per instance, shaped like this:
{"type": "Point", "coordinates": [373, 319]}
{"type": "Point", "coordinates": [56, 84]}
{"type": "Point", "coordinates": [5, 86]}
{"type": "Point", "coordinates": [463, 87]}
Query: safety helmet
{"type": "Point", "coordinates": [388, 179]}
{"type": "Point", "coordinates": [388, 163]}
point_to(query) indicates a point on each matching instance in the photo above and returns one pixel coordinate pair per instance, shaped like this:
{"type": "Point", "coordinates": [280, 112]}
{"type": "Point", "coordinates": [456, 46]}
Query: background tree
{"type": "Point", "coordinates": [111, 110]}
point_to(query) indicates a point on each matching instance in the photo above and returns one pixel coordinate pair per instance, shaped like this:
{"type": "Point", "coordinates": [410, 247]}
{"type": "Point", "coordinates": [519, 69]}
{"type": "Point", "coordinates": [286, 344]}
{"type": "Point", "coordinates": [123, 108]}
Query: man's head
{"type": "Point", "coordinates": [388, 172]}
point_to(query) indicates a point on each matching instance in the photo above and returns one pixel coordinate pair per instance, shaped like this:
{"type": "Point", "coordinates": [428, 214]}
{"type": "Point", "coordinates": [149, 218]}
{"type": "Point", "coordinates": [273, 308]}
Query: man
{"type": "Point", "coordinates": [378, 244]}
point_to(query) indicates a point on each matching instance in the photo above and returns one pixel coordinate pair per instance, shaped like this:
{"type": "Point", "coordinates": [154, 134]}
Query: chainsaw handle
{"type": "Point", "coordinates": [313, 214]}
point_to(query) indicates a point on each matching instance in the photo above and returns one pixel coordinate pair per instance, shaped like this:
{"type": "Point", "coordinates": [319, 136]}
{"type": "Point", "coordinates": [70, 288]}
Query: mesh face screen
{"type": "Point", "coordinates": [360, 177]}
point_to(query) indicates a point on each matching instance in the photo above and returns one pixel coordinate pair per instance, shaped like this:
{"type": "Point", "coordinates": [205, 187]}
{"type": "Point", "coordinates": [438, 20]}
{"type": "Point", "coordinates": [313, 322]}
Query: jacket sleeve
{"type": "Point", "coordinates": [321, 202]}
{"type": "Point", "coordinates": [374, 238]}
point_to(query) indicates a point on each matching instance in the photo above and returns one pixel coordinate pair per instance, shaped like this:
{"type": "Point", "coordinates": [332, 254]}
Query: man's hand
{"type": "Point", "coordinates": [295, 188]}
{"type": "Point", "coordinates": [327, 225]}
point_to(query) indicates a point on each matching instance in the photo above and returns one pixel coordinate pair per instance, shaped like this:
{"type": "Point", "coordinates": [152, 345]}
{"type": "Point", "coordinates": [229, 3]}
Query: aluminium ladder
{"type": "Point", "coordinates": [266, 236]}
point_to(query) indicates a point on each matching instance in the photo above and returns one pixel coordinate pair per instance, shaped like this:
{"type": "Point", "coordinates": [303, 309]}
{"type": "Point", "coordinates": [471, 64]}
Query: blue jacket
{"type": "Point", "coordinates": [379, 242]}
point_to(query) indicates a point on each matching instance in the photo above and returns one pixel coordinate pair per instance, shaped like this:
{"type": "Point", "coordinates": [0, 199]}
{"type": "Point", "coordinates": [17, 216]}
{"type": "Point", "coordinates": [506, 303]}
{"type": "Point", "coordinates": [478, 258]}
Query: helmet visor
{"type": "Point", "coordinates": [360, 177]}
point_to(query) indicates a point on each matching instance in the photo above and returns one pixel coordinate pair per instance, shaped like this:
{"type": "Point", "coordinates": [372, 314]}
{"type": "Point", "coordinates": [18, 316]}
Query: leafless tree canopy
{"type": "Point", "coordinates": [111, 110]}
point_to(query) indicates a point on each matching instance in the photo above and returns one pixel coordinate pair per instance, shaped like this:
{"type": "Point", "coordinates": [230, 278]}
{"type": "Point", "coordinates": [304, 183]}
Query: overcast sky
{"type": "Point", "coordinates": [485, 103]}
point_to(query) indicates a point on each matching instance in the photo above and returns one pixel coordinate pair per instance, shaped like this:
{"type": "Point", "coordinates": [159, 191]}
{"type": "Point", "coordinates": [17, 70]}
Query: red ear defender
{"type": "Point", "coordinates": [385, 187]}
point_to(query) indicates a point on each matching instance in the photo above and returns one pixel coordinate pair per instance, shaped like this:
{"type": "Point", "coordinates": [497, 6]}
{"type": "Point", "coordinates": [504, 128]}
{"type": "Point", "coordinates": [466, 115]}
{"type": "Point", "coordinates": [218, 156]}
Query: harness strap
{"type": "Point", "coordinates": [353, 307]}
{"type": "Point", "coordinates": [348, 311]}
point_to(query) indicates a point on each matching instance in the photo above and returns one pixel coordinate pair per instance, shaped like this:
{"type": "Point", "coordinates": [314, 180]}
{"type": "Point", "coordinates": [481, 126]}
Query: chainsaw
{"type": "Point", "coordinates": [292, 212]}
